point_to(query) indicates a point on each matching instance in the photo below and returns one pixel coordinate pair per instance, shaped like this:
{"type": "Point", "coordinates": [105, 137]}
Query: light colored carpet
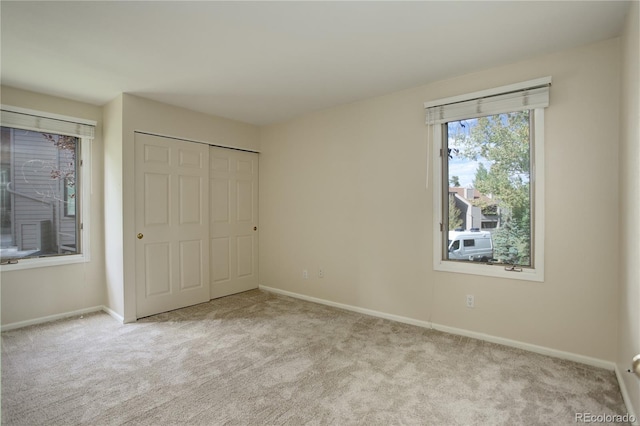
{"type": "Point", "coordinates": [259, 358]}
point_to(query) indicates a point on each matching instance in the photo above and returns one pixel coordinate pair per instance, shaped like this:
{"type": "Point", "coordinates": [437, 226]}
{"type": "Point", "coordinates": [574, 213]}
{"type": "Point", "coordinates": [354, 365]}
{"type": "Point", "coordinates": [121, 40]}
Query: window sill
{"type": "Point", "coordinates": [482, 269]}
{"type": "Point", "coordinates": [45, 262]}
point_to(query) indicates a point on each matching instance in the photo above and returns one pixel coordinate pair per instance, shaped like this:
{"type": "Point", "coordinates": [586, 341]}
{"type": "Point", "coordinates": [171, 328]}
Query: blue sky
{"type": "Point", "coordinates": [464, 169]}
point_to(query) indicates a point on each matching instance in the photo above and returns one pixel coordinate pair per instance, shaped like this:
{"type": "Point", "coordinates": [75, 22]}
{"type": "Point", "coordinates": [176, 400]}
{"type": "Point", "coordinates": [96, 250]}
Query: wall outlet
{"type": "Point", "coordinates": [320, 273]}
{"type": "Point", "coordinates": [305, 274]}
{"type": "Point", "coordinates": [471, 302]}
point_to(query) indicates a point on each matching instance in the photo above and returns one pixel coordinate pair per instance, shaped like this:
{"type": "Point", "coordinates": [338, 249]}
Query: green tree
{"type": "Point", "coordinates": [482, 174]}
{"type": "Point", "coordinates": [454, 181]}
{"type": "Point", "coordinates": [503, 140]}
{"type": "Point", "coordinates": [511, 244]}
{"type": "Point", "coordinates": [455, 219]}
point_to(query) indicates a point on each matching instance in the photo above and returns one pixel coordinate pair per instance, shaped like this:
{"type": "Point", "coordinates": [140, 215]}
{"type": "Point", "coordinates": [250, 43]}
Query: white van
{"type": "Point", "coordinates": [474, 245]}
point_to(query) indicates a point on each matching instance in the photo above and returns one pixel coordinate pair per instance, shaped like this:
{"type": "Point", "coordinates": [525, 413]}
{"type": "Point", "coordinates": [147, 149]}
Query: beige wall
{"type": "Point", "coordinates": [41, 292]}
{"type": "Point", "coordinates": [166, 120]}
{"type": "Point", "coordinates": [629, 317]}
{"type": "Point", "coordinates": [113, 187]}
{"type": "Point", "coordinates": [344, 189]}
{"type": "Point", "coordinates": [144, 115]}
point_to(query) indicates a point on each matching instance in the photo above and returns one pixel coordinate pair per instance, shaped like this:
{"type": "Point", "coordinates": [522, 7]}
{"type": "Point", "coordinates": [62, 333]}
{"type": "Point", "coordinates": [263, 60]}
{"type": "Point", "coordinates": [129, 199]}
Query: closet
{"type": "Point", "coordinates": [196, 220]}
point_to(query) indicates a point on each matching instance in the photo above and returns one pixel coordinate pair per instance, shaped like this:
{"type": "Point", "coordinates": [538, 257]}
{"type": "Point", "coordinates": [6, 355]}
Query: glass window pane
{"type": "Point", "coordinates": [38, 189]}
{"type": "Point", "coordinates": [489, 185]}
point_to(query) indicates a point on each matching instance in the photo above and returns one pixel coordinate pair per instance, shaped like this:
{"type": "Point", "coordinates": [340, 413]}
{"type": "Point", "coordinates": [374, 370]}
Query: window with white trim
{"type": "Point", "coordinates": [488, 150]}
{"type": "Point", "coordinates": [44, 188]}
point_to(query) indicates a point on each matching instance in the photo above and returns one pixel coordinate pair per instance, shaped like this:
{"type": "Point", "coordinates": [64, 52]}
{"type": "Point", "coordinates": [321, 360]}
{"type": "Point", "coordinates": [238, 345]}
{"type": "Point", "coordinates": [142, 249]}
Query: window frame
{"type": "Point", "coordinates": [84, 203]}
{"type": "Point", "coordinates": [534, 273]}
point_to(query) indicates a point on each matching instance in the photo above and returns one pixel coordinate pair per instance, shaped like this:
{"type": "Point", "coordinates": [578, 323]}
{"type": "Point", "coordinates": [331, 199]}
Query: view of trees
{"type": "Point", "coordinates": [499, 145]}
{"type": "Point", "coordinates": [66, 170]}
{"type": "Point", "coordinates": [455, 221]}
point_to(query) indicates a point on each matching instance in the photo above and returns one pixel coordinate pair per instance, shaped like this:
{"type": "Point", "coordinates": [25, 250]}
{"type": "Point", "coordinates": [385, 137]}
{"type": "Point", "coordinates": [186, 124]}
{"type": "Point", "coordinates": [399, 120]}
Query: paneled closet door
{"type": "Point", "coordinates": [233, 221]}
{"type": "Point", "coordinates": [172, 224]}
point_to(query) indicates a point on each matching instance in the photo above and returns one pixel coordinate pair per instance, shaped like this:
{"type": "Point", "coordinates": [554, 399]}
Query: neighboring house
{"type": "Point", "coordinates": [38, 210]}
{"type": "Point", "coordinates": [477, 210]}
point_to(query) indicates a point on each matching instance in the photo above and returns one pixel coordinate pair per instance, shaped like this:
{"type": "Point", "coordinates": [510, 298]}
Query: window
{"type": "Point", "coordinates": [492, 156]}
{"type": "Point", "coordinates": [43, 188]}
{"type": "Point", "coordinates": [488, 181]}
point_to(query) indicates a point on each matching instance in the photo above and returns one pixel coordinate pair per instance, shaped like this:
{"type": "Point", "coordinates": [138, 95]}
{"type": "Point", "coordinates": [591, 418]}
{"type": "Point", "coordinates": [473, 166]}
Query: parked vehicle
{"type": "Point", "coordinates": [474, 245]}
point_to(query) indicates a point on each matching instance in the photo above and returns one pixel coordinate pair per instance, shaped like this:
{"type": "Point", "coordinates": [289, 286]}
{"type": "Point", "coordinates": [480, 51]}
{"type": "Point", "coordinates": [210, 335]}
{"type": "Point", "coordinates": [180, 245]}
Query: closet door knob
{"type": "Point", "coordinates": [140, 236]}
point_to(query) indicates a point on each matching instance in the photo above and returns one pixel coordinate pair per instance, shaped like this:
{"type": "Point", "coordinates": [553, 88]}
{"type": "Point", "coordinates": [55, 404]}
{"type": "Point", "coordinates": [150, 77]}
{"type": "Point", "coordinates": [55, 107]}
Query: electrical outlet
{"type": "Point", "coordinates": [305, 274]}
{"type": "Point", "coordinates": [320, 273]}
{"type": "Point", "coordinates": [470, 301]}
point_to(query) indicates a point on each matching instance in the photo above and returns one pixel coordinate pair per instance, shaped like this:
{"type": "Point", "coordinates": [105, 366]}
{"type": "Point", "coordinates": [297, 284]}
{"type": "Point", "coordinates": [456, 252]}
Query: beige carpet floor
{"type": "Point", "coordinates": [257, 358]}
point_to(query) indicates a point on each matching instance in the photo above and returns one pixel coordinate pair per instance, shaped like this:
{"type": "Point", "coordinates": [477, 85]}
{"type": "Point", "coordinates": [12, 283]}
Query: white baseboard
{"type": "Point", "coordinates": [114, 314]}
{"type": "Point", "coordinates": [625, 395]}
{"type": "Point", "coordinates": [582, 359]}
{"type": "Point", "coordinates": [49, 318]}
{"type": "Point", "coordinates": [352, 308]}
{"type": "Point", "coordinates": [20, 324]}
{"type": "Point", "coordinates": [452, 330]}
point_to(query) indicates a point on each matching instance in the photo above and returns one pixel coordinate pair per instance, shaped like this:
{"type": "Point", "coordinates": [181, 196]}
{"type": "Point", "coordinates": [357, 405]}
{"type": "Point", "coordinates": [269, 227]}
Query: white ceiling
{"type": "Point", "coordinates": [265, 62]}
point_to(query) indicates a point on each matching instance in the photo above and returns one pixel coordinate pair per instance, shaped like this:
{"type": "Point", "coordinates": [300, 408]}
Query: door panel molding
{"type": "Point", "coordinates": [234, 221]}
{"type": "Point", "coordinates": [172, 224]}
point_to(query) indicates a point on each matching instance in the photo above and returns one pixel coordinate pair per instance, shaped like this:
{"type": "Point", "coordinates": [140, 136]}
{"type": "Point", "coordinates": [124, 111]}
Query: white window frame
{"type": "Point", "coordinates": [535, 273]}
{"type": "Point", "coordinates": [84, 169]}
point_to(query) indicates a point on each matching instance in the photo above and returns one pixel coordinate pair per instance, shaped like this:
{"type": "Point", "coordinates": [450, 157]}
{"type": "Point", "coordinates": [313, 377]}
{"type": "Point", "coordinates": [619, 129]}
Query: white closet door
{"type": "Point", "coordinates": [233, 221]}
{"type": "Point", "coordinates": [172, 224]}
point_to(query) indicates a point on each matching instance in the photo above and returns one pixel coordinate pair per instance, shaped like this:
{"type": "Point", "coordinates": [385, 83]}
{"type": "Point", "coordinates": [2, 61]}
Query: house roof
{"type": "Point", "coordinates": [477, 195]}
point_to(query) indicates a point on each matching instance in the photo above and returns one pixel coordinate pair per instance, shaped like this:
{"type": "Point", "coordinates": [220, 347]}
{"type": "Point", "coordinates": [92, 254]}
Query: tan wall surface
{"type": "Point", "coordinates": [113, 204]}
{"type": "Point", "coordinates": [167, 120]}
{"type": "Point", "coordinates": [629, 319]}
{"type": "Point", "coordinates": [344, 189]}
{"type": "Point", "coordinates": [40, 292]}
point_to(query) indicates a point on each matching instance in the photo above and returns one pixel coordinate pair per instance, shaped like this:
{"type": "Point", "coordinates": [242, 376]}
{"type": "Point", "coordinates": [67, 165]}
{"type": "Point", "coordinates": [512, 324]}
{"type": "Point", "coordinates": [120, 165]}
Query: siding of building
{"type": "Point", "coordinates": [37, 200]}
